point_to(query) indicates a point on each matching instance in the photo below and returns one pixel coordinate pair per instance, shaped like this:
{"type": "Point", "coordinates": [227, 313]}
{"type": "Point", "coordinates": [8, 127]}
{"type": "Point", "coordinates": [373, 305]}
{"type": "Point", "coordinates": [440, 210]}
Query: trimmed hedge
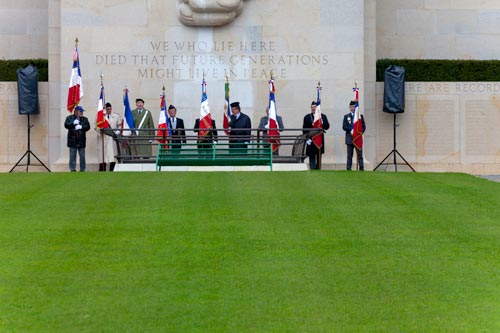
{"type": "Point", "coordinates": [8, 68]}
{"type": "Point", "coordinates": [421, 70]}
{"type": "Point", "coordinates": [443, 70]}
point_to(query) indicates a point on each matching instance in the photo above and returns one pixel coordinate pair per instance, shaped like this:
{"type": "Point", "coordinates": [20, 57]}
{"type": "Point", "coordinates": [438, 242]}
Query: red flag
{"type": "Point", "coordinates": [75, 92]}
{"type": "Point", "coordinates": [101, 122]}
{"type": "Point", "coordinates": [273, 135]}
{"type": "Point", "coordinates": [318, 121]}
{"type": "Point", "coordinates": [163, 127]}
{"type": "Point", "coordinates": [357, 127]}
{"type": "Point", "coordinates": [205, 116]}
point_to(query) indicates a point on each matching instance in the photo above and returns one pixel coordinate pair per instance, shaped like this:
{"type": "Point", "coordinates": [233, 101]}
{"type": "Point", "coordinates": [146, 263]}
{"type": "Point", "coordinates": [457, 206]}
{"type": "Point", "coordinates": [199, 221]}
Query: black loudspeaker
{"type": "Point", "coordinates": [394, 89]}
{"type": "Point", "coordinates": [27, 90]}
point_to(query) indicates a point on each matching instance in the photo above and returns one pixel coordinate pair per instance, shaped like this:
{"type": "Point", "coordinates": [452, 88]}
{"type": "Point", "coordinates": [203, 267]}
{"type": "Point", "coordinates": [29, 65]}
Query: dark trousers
{"type": "Point", "coordinates": [350, 152]}
{"type": "Point", "coordinates": [102, 166]}
{"type": "Point", "coordinates": [72, 158]}
{"type": "Point", "coordinates": [239, 148]}
{"type": "Point", "coordinates": [314, 159]}
{"type": "Point", "coordinates": [205, 149]}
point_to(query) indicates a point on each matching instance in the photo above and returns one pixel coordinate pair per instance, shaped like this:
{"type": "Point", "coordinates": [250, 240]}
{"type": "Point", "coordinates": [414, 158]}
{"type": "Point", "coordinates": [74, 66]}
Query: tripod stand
{"type": "Point", "coordinates": [28, 152]}
{"type": "Point", "coordinates": [394, 152]}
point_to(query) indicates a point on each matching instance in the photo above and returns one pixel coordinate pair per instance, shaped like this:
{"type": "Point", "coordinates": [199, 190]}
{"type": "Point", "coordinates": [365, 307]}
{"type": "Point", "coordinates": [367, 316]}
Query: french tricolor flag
{"type": "Point", "coordinates": [101, 122]}
{"type": "Point", "coordinates": [318, 120]}
{"type": "Point", "coordinates": [75, 92]}
{"type": "Point", "coordinates": [205, 116]}
{"type": "Point", "coordinates": [128, 118]}
{"type": "Point", "coordinates": [357, 127]}
{"type": "Point", "coordinates": [273, 136]}
{"type": "Point", "coordinates": [163, 127]}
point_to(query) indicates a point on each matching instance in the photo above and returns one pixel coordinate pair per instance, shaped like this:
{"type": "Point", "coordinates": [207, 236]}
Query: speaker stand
{"type": "Point", "coordinates": [394, 152]}
{"type": "Point", "coordinates": [28, 153]}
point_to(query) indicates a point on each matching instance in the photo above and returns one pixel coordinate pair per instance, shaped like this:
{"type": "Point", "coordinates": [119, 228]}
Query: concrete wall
{"type": "Point", "coordinates": [446, 126]}
{"type": "Point", "coordinates": [14, 129]}
{"type": "Point", "coordinates": [23, 29]}
{"type": "Point", "coordinates": [444, 29]}
{"type": "Point", "coordinates": [142, 44]}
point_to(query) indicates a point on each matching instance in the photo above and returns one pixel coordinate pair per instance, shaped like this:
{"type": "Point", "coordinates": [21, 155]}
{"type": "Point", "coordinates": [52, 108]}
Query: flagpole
{"type": "Point", "coordinates": [76, 48]}
{"type": "Point", "coordinates": [323, 143]}
{"type": "Point", "coordinates": [163, 110]}
{"type": "Point", "coordinates": [77, 133]}
{"type": "Point", "coordinates": [123, 118]}
{"type": "Point", "coordinates": [356, 148]}
{"type": "Point", "coordinates": [100, 129]}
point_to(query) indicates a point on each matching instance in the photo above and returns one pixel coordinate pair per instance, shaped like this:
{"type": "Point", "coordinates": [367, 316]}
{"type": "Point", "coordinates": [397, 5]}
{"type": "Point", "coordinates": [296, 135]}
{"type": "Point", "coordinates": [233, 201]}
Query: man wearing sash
{"type": "Point", "coordinates": [144, 127]}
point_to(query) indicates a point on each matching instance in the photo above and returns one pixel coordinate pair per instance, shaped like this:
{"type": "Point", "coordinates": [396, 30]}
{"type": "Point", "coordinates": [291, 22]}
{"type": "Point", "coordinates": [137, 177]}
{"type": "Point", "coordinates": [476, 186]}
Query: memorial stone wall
{"type": "Point", "coordinates": [145, 45]}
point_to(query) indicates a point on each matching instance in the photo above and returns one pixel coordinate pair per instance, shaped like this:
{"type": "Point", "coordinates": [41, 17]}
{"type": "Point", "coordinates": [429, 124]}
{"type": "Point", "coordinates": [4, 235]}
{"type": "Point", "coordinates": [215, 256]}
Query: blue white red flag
{"type": "Point", "coordinates": [205, 116]}
{"type": "Point", "coordinates": [101, 121]}
{"type": "Point", "coordinates": [128, 118]}
{"type": "Point", "coordinates": [164, 131]}
{"type": "Point", "coordinates": [318, 121]}
{"type": "Point", "coordinates": [357, 126]}
{"type": "Point", "coordinates": [227, 108]}
{"type": "Point", "coordinates": [75, 91]}
{"type": "Point", "coordinates": [273, 135]}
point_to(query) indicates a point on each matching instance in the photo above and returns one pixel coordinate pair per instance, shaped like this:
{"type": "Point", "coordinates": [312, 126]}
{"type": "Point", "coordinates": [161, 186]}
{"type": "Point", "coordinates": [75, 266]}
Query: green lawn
{"type": "Point", "coordinates": [328, 251]}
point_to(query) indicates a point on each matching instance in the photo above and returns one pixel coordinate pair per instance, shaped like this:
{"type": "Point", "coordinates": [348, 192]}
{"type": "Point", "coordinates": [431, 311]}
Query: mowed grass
{"type": "Point", "coordinates": [327, 251]}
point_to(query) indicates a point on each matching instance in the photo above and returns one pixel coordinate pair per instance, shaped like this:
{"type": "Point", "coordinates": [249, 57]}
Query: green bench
{"type": "Point", "coordinates": [217, 155]}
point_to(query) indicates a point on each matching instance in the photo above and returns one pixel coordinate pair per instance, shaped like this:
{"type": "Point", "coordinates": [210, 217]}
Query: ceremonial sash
{"type": "Point", "coordinates": [142, 121]}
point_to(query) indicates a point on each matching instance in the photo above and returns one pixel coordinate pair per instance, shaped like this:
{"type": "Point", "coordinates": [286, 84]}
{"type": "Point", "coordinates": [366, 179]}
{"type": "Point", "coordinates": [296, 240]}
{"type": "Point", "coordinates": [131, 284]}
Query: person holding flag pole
{"type": "Point", "coordinates": [354, 127]}
{"type": "Point", "coordinates": [127, 128]}
{"type": "Point", "coordinates": [314, 126]}
{"type": "Point", "coordinates": [128, 118]}
{"type": "Point", "coordinates": [227, 108]}
{"type": "Point", "coordinates": [273, 135]}
{"type": "Point", "coordinates": [164, 131]}
{"type": "Point", "coordinates": [76, 124]}
{"type": "Point", "coordinates": [101, 123]}
{"type": "Point", "coordinates": [75, 91]}
{"type": "Point", "coordinates": [106, 122]}
{"type": "Point", "coordinates": [205, 125]}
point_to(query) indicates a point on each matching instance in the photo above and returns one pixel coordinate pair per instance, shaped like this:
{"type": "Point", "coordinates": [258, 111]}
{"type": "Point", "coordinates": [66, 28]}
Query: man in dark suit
{"type": "Point", "coordinates": [177, 127]}
{"type": "Point", "coordinates": [347, 124]}
{"type": "Point", "coordinates": [240, 130]}
{"type": "Point", "coordinates": [311, 150]}
{"type": "Point", "coordinates": [205, 142]}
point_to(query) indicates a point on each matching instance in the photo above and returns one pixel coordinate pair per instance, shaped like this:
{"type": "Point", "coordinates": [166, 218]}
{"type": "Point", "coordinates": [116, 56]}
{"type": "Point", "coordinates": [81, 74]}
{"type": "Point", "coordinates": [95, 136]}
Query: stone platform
{"type": "Point", "coordinates": [152, 167]}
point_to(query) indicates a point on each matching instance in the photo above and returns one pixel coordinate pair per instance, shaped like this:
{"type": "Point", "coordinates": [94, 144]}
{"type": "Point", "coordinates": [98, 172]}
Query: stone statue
{"type": "Point", "coordinates": [208, 13]}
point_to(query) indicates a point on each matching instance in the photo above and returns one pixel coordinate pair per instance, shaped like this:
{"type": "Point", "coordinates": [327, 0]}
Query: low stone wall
{"type": "Point", "coordinates": [446, 126]}
{"type": "Point", "coordinates": [14, 129]}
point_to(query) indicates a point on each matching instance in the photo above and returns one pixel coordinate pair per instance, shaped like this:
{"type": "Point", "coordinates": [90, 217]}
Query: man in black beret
{"type": "Point", "coordinates": [312, 151]}
{"type": "Point", "coordinates": [347, 125]}
{"type": "Point", "coordinates": [240, 130]}
{"type": "Point", "coordinates": [144, 127]}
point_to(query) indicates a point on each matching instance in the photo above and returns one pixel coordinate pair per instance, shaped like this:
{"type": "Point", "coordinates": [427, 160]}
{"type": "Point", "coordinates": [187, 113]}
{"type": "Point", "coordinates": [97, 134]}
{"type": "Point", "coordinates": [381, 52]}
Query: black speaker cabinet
{"type": "Point", "coordinates": [27, 90]}
{"type": "Point", "coordinates": [394, 89]}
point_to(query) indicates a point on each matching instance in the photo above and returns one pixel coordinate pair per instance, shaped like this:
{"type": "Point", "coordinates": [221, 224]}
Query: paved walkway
{"type": "Point", "coordinates": [495, 178]}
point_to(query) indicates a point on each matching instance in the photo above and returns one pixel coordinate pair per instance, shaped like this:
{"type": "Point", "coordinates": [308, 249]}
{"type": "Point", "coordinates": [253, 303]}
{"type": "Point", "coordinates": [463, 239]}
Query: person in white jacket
{"type": "Point", "coordinates": [105, 140]}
